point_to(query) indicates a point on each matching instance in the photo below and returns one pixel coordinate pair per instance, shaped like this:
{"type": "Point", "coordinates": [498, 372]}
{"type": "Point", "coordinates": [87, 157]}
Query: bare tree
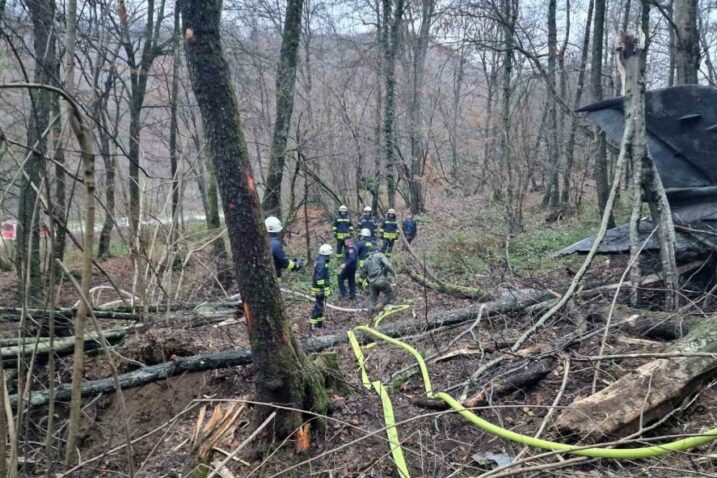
{"type": "Point", "coordinates": [285, 80]}
{"type": "Point", "coordinates": [391, 23]}
{"type": "Point", "coordinates": [601, 176]}
{"type": "Point", "coordinates": [415, 108]}
{"type": "Point", "coordinates": [283, 373]}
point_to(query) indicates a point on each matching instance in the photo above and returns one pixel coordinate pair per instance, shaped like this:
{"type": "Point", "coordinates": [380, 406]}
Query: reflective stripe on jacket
{"type": "Point", "coordinates": [343, 227]}
{"type": "Point", "coordinates": [321, 282]}
{"type": "Point", "coordinates": [389, 229]}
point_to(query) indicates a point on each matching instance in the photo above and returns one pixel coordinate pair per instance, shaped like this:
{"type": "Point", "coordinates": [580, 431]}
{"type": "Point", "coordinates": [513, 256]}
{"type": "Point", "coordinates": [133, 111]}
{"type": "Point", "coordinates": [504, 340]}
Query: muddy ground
{"type": "Point", "coordinates": [162, 418]}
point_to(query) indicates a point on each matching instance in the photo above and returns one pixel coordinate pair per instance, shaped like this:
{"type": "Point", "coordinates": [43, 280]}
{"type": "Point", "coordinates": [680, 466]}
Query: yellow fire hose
{"type": "Point", "coordinates": [595, 452]}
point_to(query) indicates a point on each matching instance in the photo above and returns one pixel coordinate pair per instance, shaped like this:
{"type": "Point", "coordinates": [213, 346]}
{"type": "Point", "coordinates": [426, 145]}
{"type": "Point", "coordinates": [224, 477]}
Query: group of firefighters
{"type": "Point", "coordinates": [371, 263]}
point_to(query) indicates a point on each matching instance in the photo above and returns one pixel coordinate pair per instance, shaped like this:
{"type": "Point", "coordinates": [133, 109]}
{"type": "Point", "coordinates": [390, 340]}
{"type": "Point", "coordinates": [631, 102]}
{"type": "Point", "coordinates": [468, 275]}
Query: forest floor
{"type": "Point", "coordinates": [465, 245]}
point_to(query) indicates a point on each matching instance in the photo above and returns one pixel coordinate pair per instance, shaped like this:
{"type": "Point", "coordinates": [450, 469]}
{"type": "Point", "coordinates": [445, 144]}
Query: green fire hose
{"type": "Point", "coordinates": [595, 452]}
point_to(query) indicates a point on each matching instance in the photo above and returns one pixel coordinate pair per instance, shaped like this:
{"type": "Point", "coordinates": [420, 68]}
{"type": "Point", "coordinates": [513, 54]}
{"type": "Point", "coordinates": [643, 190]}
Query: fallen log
{"type": "Point", "coordinates": [647, 393]}
{"type": "Point", "coordinates": [235, 357]}
{"type": "Point", "coordinates": [60, 346]}
{"type": "Point", "coordinates": [647, 323]}
{"type": "Point", "coordinates": [13, 314]}
{"type": "Point", "coordinates": [530, 374]}
{"type": "Point", "coordinates": [446, 288]}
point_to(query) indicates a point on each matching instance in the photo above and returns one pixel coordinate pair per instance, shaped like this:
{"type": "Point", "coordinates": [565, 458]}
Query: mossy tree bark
{"type": "Point", "coordinates": [42, 15]}
{"type": "Point", "coordinates": [283, 373]}
{"type": "Point", "coordinates": [285, 81]}
{"type": "Point", "coordinates": [392, 15]}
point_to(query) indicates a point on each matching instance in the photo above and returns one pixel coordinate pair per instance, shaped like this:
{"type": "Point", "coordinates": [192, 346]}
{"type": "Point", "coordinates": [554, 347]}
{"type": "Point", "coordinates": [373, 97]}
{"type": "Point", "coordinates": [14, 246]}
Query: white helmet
{"type": "Point", "coordinates": [326, 250]}
{"type": "Point", "coordinates": [392, 211]}
{"type": "Point", "coordinates": [365, 232]}
{"type": "Point", "coordinates": [343, 208]}
{"type": "Point", "coordinates": [273, 224]}
{"type": "Point", "coordinates": [367, 209]}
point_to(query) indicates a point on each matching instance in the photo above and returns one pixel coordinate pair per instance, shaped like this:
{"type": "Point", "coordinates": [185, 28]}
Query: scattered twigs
{"type": "Point", "coordinates": [554, 406]}
{"type": "Point", "coordinates": [240, 356]}
{"type": "Point", "coordinates": [121, 447]}
{"type": "Point", "coordinates": [77, 388]}
{"type": "Point", "coordinates": [607, 213]}
{"type": "Point", "coordinates": [634, 257]}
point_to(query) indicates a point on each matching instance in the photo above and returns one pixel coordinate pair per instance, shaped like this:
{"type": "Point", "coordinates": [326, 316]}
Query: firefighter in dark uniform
{"type": "Point", "coordinates": [364, 245]}
{"type": "Point", "coordinates": [343, 229]}
{"type": "Point", "coordinates": [389, 232]}
{"type": "Point", "coordinates": [367, 222]}
{"type": "Point", "coordinates": [281, 261]}
{"type": "Point", "coordinates": [320, 286]}
{"type": "Point", "coordinates": [348, 271]}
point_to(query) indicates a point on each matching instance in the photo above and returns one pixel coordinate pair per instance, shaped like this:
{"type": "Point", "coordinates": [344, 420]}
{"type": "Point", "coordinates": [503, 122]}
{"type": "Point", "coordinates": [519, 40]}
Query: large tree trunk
{"type": "Point", "coordinates": [42, 14]}
{"type": "Point", "coordinates": [102, 128]}
{"type": "Point", "coordinates": [552, 197]}
{"type": "Point", "coordinates": [601, 176]}
{"type": "Point", "coordinates": [687, 47]}
{"type": "Point", "coordinates": [416, 136]}
{"type": "Point", "coordinates": [283, 373]}
{"type": "Point", "coordinates": [285, 81]}
{"type": "Point", "coordinates": [389, 41]}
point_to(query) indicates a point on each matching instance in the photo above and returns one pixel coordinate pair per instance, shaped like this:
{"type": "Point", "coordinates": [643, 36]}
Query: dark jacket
{"type": "Point", "coordinates": [367, 223]}
{"type": "Point", "coordinates": [389, 229]}
{"type": "Point", "coordinates": [351, 256]}
{"type": "Point", "coordinates": [281, 261]}
{"type": "Point", "coordinates": [410, 228]}
{"type": "Point", "coordinates": [320, 282]}
{"type": "Point", "coordinates": [343, 227]}
{"type": "Point", "coordinates": [364, 246]}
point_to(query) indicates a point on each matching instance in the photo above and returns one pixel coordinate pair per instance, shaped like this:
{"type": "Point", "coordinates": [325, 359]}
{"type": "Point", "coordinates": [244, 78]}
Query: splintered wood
{"type": "Point", "coordinates": [648, 392]}
{"type": "Point", "coordinates": [220, 427]}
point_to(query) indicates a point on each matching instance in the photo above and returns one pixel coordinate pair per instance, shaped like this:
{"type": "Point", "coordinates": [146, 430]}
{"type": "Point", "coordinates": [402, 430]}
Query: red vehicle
{"type": "Point", "coordinates": [9, 230]}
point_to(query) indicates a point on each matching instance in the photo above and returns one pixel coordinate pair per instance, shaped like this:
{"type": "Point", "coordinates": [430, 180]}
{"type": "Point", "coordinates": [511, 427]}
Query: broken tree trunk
{"type": "Point", "coordinates": [647, 393]}
{"type": "Point", "coordinates": [532, 373]}
{"type": "Point", "coordinates": [235, 357]}
{"type": "Point", "coordinates": [446, 288]}
{"type": "Point", "coordinates": [648, 323]}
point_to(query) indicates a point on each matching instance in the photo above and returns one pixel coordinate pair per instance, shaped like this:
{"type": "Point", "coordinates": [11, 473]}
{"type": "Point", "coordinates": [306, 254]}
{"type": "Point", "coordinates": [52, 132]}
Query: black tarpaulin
{"type": "Point", "coordinates": [682, 141]}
